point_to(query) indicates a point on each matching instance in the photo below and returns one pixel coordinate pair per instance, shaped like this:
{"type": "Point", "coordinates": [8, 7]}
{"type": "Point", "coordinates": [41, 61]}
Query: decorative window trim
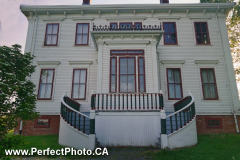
{"type": "Point", "coordinates": [125, 54]}
{"type": "Point", "coordinates": [126, 17]}
{"type": "Point", "coordinates": [40, 83]}
{"type": "Point", "coordinates": [77, 34]}
{"type": "Point", "coordinates": [169, 17]}
{"type": "Point", "coordinates": [209, 43]}
{"type": "Point", "coordinates": [170, 32]}
{"type": "Point", "coordinates": [53, 19]}
{"type": "Point", "coordinates": [206, 61]}
{"type": "Point", "coordinates": [48, 62]}
{"type": "Point", "coordinates": [86, 82]}
{"type": "Point", "coordinates": [200, 17]}
{"type": "Point", "coordinates": [180, 74]}
{"type": "Point", "coordinates": [42, 126]}
{"type": "Point", "coordinates": [80, 62]}
{"type": "Point", "coordinates": [173, 61]}
{"type": "Point", "coordinates": [82, 18]}
{"type": "Point", "coordinates": [215, 82]}
{"type": "Point", "coordinates": [46, 34]}
{"type": "Point", "coordinates": [216, 127]}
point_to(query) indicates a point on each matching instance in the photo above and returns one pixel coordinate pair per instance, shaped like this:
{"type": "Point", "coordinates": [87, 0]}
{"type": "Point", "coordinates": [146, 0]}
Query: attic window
{"type": "Point", "coordinates": [214, 122]}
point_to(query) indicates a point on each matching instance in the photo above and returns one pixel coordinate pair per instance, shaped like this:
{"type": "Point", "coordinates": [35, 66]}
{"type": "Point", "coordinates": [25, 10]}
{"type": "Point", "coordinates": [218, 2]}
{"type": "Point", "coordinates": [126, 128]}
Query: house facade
{"type": "Point", "coordinates": [127, 65]}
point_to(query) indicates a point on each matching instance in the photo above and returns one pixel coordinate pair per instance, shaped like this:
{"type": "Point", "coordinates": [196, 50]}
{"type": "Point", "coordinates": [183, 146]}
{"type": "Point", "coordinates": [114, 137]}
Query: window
{"type": "Point", "coordinates": [113, 74]}
{"type": "Point", "coordinates": [174, 83]}
{"type": "Point", "coordinates": [125, 76]}
{"type": "Point", "coordinates": [113, 26]}
{"type": "Point", "coordinates": [201, 32]}
{"type": "Point", "coordinates": [209, 85]}
{"type": "Point", "coordinates": [126, 26]}
{"type": "Point", "coordinates": [141, 75]}
{"type": "Point", "coordinates": [138, 25]}
{"type": "Point", "coordinates": [42, 122]}
{"type": "Point", "coordinates": [82, 34]}
{"type": "Point", "coordinates": [51, 36]}
{"type": "Point", "coordinates": [79, 84]}
{"type": "Point", "coordinates": [214, 122]}
{"type": "Point", "coordinates": [46, 84]}
{"type": "Point", "coordinates": [170, 34]}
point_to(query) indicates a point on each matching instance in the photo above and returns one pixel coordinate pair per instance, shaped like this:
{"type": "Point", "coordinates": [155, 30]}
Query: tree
{"type": "Point", "coordinates": [17, 98]}
{"type": "Point", "coordinates": [233, 27]}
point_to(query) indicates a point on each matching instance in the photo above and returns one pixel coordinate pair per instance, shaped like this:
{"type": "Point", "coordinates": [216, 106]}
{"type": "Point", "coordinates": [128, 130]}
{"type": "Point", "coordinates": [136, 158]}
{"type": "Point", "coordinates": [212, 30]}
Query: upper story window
{"type": "Point", "coordinates": [46, 84]}
{"type": "Point", "coordinates": [170, 34]}
{"type": "Point", "coordinates": [51, 36]}
{"type": "Point", "coordinates": [174, 83]}
{"type": "Point", "coordinates": [201, 32]}
{"type": "Point", "coordinates": [209, 85]}
{"type": "Point", "coordinates": [126, 77]}
{"type": "Point", "coordinates": [79, 84]}
{"type": "Point", "coordinates": [126, 26]}
{"type": "Point", "coordinates": [82, 34]}
{"type": "Point", "coordinates": [113, 26]}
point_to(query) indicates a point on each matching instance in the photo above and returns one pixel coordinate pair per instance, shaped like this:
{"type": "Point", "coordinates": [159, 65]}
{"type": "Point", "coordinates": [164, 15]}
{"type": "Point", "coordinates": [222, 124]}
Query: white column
{"type": "Point", "coordinates": [154, 65]}
{"type": "Point", "coordinates": [100, 59]}
{"type": "Point", "coordinates": [30, 35]}
{"type": "Point", "coordinates": [229, 63]}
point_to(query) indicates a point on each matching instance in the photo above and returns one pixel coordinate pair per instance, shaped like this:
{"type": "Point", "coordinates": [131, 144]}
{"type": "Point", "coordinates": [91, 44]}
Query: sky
{"type": "Point", "coordinates": [13, 24]}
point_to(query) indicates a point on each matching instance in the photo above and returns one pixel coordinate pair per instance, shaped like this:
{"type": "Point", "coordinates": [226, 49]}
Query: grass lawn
{"type": "Point", "coordinates": [210, 147]}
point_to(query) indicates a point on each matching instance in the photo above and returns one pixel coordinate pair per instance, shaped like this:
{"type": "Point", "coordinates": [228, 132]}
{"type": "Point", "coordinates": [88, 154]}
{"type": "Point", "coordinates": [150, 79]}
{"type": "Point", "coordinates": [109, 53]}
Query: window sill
{"type": "Point", "coordinates": [45, 100]}
{"type": "Point", "coordinates": [210, 100]}
{"type": "Point", "coordinates": [49, 46]}
{"type": "Point", "coordinates": [171, 45]}
{"type": "Point", "coordinates": [203, 45]}
{"type": "Point", "coordinates": [85, 45]}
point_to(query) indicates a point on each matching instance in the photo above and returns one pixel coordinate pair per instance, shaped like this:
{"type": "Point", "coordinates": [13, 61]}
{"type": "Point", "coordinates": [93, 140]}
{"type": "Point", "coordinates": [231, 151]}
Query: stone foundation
{"type": "Point", "coordinates": [30, 128]}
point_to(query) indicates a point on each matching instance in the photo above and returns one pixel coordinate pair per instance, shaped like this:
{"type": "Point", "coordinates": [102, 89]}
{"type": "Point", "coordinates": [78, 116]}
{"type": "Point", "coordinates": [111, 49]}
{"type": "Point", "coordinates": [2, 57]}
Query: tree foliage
{"type": "Point", "coordinates": [233, 27]}
{"type": "Point", "coordinates": [17, 98]}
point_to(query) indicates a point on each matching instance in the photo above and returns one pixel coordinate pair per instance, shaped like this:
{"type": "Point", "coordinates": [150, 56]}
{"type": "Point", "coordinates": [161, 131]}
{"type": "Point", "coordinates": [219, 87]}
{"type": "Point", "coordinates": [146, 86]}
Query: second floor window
{"type": "Point", "coordinates": [51, 37]}
{"type": "Point", "coordinates": [201, 32]}
{"type": "Point", "coordinates": [170, 34]}
{"type": "Point", "coordinates": [126, 26]}
{"type": "Point", "coordinates": [174, 83]}
{"type": "Point", "coordinates": [46, 84]}
{"type": "Point", "coordinates": [82, 34]}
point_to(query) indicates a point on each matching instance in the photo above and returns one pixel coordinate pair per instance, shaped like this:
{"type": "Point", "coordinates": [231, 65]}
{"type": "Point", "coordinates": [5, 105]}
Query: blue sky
{"type": "Point", "coordinates": [13, 24]}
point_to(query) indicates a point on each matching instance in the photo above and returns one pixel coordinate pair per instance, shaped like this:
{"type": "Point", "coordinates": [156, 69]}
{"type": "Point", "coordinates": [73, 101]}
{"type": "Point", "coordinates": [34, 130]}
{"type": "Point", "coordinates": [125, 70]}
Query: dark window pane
{"type": "Point", "coordinates": [42, 122]}
{"type": "Point", "coordinates": [199, 38]}
{"type": "Point", "coordinates": [206, 91]}
{"type": "Point", "coordinates": [204, 27]}
{"type": "Point", "coordinates": [178, 91]}
{"type": "Point", "coordinates": [210, 76]}
{"type": "Point", "coordinates": [176, 76]}
{"type": "Point", "coordinates": [167, 38]}
{"type": "Point", "coordinates": [205, 38]}
{"type": "Point", "coordinates": [173, 38]}
{"type": "Point", "coordinates": [170, 76]}
{"type": "Point", "coordinates": [212, 91]}
{"type": "Point", "coordinates": [204, 76]}
{"type": "Point", "coordinates": [113, 26]}
{"type": "Point", "coordinates": [198, 27]}
{"type": "Point", "coordinates": [166, 27]}
{"type": "Point", "coordinates": [123, 66]}
{"type": "Point", "coordinates": [172, 27]}
{"type": "Point", "coordinates": [138, 26]}
{"type": "Point", "coordinates": [131, 66]}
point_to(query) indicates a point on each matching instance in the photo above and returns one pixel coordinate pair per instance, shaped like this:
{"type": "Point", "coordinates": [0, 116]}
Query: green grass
{"type": "Point", "coordinates": [210, 147]}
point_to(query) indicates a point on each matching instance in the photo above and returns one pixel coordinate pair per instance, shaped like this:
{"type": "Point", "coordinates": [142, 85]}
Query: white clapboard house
{"type": "Point", "coordinates": [132, 75]}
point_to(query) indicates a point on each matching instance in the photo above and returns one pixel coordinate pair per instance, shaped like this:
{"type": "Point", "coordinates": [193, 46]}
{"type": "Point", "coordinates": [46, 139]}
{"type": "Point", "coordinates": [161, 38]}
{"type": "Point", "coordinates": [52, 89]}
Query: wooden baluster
{"type": "Point", "coordinates": [131, 101]}
{"type": "Point", "coordinates": [75, 119]}
{"type": "Point", "coordinates": [156, 100]}
{"type": "Point", "coordinates": [127, 101]}
{"type": "Point", "coordinates": [176, 121]}
{"type": "Point", "coordinates": [98, 101]}
{"type": "Point", "coordinates": [139, 97]}
{"type": "Point", "coordinates": [84, 121]}
{"type": "Point", "coordinates": [135, 102]}
{"type": "Point", "coordinates": [114, 101]}
{"type": "Point", "coordinates": [143, 102]}
{"type": "Point", "coordinates": [102, 100]}
{"type": "Point", "coordinates": [151, 101]}
{"type": "Point", "coordinates": [180, 119]}
{"type": "Point", "coordinates": [79, 122]}
{"type": "Point", "coordinates": [110, 101]}
{"type": "Point", "coordinates": [119, 102]}
{"type": "Point", "coordinates": [147, 102]}
{"type": "Point", "coordinates": [106, 101]}
{"type": "Point", "coordinates": [123, 101]}
{"type": "Point", "coordinates": [171, 124]}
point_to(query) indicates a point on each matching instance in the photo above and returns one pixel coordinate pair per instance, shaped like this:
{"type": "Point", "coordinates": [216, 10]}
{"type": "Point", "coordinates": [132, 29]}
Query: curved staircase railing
{"type": "Point", "coordinates": [182, 117]}
{"type": "Point", "coordinates": [77, 130]}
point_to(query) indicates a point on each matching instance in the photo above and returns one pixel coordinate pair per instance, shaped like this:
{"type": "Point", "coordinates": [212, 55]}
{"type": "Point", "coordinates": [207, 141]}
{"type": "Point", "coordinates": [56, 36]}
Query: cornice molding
{"type": "Point", "coordinates": [173, 61]}
{"type": "Point", "coordinates": [206, 61]}
{"type": "Point", "coordinates": [48, 62]}
{"type": "Point", "coordinates": [80, 62]}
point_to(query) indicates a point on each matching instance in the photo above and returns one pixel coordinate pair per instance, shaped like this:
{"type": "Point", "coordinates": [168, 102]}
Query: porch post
{"type": "Point", "coordinates": [100, 58]}
{"type": "Point", "coordinates": [164, 138]}
{"type": "Point", "coordinates": [154, 65]}
{"type": "Point", "coordinates": [92, 135]}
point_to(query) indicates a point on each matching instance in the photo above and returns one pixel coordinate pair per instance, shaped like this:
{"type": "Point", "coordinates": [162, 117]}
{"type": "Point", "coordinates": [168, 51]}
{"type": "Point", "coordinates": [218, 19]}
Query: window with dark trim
{"type": "Point", "coordinates": [201, 33]}
{"type": "Point", "coordinates": [209, 85]}
{"type": "Point", "coordinates": [127, 74]}
{"type": "Point", "coordinates": [46, 84]}
{"type": "Point", "coordinates": [113, 74]}
{"type": "Point", "coordinates": [51, 35]}
{"type": "Point", "coordinates": [170, 34]}
{"type": "Point", "coordinates": [113, 26]}
{"type": "Point", "coordinates": [213, 122]}
{"type": "Point", "coordinates": [141, 75]}
{"type": "Point", "coordinates": [138, 25]}
{"type": "Point", "coordinates": [125, 25]}
{"type": "Point", "coordinates": [42, 122]}
{"type": "Point", "coordinates": [82, 34]}
{"type": "Point", "coordinates": [126, 52]}
{"type": "Point", "coordinates": [174, 83]}
{"type": "Point", "coordinates": [79, 84]}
